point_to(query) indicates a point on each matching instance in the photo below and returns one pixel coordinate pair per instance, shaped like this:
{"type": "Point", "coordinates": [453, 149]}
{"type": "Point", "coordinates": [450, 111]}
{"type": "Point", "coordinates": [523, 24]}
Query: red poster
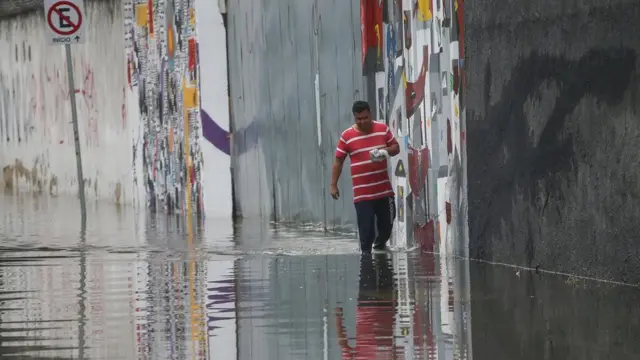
{"type": "Point", "coordinates": [363, 27]}
{"type": "Point", "coordinates": [460, 14]}
{"type": "Point", "coordinates": [372, 34]}
{"type": "Point", "coordinates": [150, 12]}
{"type": "Point", "coordinates": [192, 54]}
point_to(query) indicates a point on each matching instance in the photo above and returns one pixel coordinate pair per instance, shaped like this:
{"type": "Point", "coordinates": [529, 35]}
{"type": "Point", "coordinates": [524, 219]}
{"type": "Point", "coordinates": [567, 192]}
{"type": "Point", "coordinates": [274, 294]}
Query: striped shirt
{"type": "Point", "coordinates": [370, 179]}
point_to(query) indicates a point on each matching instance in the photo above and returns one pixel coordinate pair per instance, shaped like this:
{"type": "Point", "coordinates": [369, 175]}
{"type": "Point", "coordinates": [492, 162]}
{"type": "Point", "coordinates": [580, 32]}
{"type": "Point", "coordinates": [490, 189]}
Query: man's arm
{"type": "Point", "coordinates": [393, 148]}
{"type": "Point", "coordinates": [342, 151]}
{"type": "Point", "coordinates": [336, 170]}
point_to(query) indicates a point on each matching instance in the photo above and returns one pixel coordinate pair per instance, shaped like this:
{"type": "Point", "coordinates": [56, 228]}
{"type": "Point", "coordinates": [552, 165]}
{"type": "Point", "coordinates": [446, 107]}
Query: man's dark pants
{"type": "Point", "coordinates": [375, 215]}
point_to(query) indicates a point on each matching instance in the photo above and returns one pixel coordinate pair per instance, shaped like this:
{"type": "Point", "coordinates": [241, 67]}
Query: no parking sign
{"type": "Point", "coordinates": [65, 21]}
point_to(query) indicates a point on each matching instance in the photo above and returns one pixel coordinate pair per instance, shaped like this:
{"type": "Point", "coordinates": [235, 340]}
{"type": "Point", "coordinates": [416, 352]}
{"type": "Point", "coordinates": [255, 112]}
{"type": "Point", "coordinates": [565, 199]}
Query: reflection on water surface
{"type": "Point", "coordinates": [140, 287]}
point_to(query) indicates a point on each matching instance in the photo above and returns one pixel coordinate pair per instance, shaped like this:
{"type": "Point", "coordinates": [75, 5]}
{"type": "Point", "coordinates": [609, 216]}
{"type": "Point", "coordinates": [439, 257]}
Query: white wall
{"type": "Point", "coordinates": [36, 142]}
{"type": "Point", "coordinates": [216, 171]}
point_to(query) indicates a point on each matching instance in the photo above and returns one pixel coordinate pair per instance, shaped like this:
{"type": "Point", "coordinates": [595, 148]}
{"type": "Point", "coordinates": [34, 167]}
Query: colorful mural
{"type": "Point", "coordinates": [162, 67]}
{"type": "Point", "coordinates": [414, 51]}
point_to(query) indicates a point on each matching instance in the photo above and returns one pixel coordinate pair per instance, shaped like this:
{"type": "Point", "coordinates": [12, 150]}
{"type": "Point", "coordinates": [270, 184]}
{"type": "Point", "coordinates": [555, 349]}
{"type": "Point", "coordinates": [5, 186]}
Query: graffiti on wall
{"type": "Point", "coordinates": [162, 66]}
{"type": "Point", "coordinates": [414, 51]}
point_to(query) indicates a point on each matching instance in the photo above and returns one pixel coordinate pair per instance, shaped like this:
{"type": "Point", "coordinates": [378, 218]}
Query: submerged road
{"type": "Point", "coordinates": [139, 287]}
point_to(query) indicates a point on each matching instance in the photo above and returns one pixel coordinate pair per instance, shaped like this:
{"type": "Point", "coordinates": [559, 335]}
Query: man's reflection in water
{"type": "Point", "coordinates": [374, 312]}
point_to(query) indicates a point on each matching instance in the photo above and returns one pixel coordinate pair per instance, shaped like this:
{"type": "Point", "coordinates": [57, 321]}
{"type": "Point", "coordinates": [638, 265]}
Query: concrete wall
{"type": "Point", "coordinates": [150, 115]}
{"type": "Point", "coordinates": [295, 69]}
{"type": "Point", "coordinates": [552, 107]}
{"type": "Point", "coordinates": [36, 136]}
{"type": "Point", "coordinates": [282, 163]}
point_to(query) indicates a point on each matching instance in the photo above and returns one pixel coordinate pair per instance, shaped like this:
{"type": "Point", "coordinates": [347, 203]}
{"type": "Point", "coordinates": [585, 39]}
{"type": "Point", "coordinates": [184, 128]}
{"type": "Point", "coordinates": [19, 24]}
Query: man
{"type": "Point", "coordinates": [368, 144]}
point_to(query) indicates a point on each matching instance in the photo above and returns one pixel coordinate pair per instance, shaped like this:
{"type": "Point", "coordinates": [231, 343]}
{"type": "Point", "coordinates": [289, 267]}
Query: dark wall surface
{"type": "Point", "coordinates": [552, 93]}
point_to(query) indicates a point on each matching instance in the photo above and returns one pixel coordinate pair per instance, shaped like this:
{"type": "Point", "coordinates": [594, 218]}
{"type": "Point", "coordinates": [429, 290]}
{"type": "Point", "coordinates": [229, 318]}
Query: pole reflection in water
{"type": "Point", "coordinates": [82, 296]}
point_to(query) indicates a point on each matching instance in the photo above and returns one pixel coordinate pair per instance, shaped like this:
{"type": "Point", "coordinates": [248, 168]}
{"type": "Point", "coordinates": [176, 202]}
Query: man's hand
{"type": "Point", "coordinates": [378, 154]}
{"type": "Point", "coordinates": [335, 193]}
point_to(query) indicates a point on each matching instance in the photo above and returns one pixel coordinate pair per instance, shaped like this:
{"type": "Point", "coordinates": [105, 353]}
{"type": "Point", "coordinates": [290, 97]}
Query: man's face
{"type": "Point", "coordinates": [363, 120]}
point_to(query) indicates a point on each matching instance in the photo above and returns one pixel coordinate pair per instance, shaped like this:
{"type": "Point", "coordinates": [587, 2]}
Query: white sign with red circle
{"type": "Point", "coordinates": [65, 21]}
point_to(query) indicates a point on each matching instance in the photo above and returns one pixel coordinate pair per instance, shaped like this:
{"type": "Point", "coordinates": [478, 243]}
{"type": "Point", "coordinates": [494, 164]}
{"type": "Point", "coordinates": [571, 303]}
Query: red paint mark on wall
{"type": "Point", "coordinates": [418, 168]}
{"type": "Point", "coordinates": [414, 91]}
{"type": "Point", "coordinates": [88, 93]}
{"type": "Point", "coordinates": [192, 54]}
{"type": "Point", "coordinates": [449, 139]}
{"type": "Point", "coordinates": [363, 27]}
{"type": "Point", "coordinates": [150, 14]}
{"type": "Point", "coordinates": [53, 83]}
{"type": "Point", "coordinates": [371, 34]}
{"type": "Point", "coordinates": [425, 236]}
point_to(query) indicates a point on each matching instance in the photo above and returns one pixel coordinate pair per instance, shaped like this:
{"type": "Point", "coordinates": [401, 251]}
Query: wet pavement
{"type": "Point", "coordinates": [139, 287]}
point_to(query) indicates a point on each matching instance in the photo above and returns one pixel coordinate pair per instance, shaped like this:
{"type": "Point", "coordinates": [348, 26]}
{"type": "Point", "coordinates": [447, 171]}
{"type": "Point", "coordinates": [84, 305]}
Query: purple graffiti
{"type": "Point", "coordinates": [215, 134]}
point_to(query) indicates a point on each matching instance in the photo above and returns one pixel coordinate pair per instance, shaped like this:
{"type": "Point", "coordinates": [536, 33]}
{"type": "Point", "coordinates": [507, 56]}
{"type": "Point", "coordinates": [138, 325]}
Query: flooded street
{"type": "Point", "coordinates": [140, 287]}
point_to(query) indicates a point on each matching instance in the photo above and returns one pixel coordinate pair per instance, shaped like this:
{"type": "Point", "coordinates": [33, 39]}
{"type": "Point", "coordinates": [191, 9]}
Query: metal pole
{"type": "Point", "coordinates": [76, 134]}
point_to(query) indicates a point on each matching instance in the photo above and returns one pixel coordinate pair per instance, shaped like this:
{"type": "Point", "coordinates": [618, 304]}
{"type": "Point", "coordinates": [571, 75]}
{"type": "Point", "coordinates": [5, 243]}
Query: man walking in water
{"type": "Point", "coordinates": [368, 143]}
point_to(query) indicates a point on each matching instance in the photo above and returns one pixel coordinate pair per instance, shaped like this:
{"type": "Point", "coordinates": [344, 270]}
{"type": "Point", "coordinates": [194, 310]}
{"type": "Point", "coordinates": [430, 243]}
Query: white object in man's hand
{"type": "Point", "coordinates": [378, 154]}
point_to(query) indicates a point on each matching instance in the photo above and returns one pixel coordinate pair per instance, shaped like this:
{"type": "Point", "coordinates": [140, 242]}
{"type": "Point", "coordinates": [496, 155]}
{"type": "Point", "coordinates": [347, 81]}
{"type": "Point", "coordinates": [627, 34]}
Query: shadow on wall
{"type": "Point", "coordinates": [282, 155]}
{"type": "Point", "coordinates": [553, 144]}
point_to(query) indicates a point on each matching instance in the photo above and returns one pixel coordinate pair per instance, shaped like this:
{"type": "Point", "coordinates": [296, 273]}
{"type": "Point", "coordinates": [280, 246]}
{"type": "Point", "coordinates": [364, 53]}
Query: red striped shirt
{"type": "Point", "coordinates": [370, 179]}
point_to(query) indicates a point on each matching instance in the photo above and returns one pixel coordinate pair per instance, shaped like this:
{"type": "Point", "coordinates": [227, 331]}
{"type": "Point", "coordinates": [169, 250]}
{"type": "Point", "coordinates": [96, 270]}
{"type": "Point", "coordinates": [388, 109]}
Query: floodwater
{"type": "Point", "coordinates": [134, 286]}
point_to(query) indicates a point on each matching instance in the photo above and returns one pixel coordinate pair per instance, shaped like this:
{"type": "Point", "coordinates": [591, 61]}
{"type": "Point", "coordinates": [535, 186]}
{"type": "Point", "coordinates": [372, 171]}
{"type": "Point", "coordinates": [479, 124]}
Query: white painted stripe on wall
{"type": "Point", "coordinates": [216, 172]}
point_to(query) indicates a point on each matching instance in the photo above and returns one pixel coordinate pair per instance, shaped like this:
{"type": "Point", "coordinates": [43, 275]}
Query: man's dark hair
{"type": "Point", "coordinates": [360, 106]}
